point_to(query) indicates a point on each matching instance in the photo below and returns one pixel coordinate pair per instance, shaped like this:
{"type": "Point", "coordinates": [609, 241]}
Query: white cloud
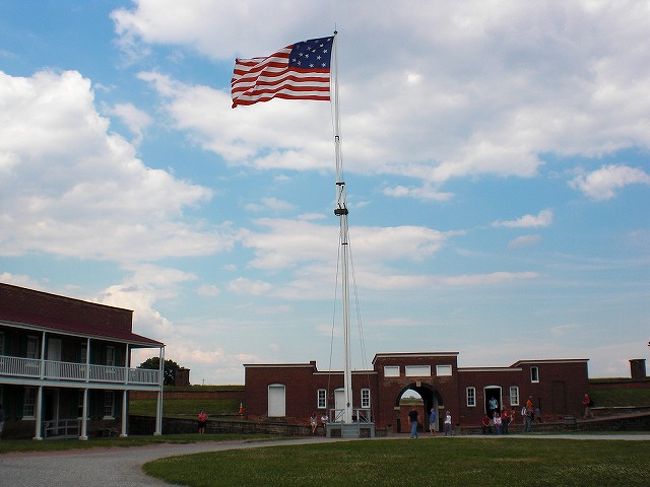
{"type": "Point", "coordinates": [136, 120]}
{"type": "Point", "coordinates": [209, 290]}
{"type": "Point", "coordinates": [524, 241]}
{"type": "Point", "coordinates": [241, 285]}
{"type": "Point", "coordinates": [603, 183]}
{"type": "Point", "coordinates": [269, 203]}
{"type": "Point", "coordinates": [422, 193]}
{"type": "Point", "coordinates": [20, 280]}
{"type": "Point", "coordinates": [543, 219]}
{"type": "Point", "coordinates": [286, 243]}
{"type": "Point", "coordinates": [72, 188]}
{"type": "Point", "coordinates": [496, 85]}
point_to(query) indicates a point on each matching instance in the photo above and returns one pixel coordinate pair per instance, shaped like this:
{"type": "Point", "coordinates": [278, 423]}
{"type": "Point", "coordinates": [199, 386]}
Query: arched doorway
{"type": "Point", "coordinates": [426, 397]}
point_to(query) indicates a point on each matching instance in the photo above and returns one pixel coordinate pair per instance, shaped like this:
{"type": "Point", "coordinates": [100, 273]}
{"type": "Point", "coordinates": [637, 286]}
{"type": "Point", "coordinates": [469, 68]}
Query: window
{"type": "Point", "coordinates": [514, 396]}
{"type": "Point", "coordinates": [2, 343]}
{"type": "Point", "coordinates": [29, 403]}
{"type": "Point", "coordinates": [109, 404]}
{"type": "Point", "coordinates": [391, 371]}
{"type": "Point", "coordinates": [470, 394]}
{"type": "Point", "coordinates": [534, 374]}
{"type": "Point", "coordinates": [83, 354]}
{"type": "Point", "coordinates": [365, 398]}
{"type": "Point", "coordinates": [32, 347]}
{"type": "Point", "coordinates": [321, 399]}
{"type": "Point", "coordinates": [443, 370]}
{"type": "Point", "coordinates": [110, 355]}
{"type": "Point", "coordinates": [417, 371]}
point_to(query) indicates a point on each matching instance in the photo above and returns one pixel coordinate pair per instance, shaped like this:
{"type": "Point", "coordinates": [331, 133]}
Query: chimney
{"type": "Point", "coordinates": [637, 368]}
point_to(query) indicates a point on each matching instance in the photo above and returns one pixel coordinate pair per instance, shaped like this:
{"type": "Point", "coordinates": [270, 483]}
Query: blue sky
{"type": "Point", "coordinates": [496, 157]}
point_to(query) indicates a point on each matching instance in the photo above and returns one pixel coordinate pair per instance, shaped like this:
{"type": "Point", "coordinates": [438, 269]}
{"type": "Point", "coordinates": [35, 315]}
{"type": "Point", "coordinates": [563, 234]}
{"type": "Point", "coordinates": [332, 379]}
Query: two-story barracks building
{"type": "Point", "coordinates": [296, 391]}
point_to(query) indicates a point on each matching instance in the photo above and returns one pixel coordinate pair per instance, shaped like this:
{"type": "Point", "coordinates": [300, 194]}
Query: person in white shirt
{"type": "Point", "coordinates": [448, 430]}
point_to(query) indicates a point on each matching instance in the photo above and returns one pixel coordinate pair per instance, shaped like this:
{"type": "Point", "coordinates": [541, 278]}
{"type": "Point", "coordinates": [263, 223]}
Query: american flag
{"type": "Point", "coordinates": [300, 71]}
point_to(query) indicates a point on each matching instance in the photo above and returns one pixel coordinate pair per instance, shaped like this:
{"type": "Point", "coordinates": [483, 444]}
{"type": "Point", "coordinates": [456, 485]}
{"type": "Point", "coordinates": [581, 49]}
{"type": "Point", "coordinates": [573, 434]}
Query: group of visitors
{"type": "Point", "coordinates": [498, 421]}
{"type": "Point", "coordinates": [433, 422]}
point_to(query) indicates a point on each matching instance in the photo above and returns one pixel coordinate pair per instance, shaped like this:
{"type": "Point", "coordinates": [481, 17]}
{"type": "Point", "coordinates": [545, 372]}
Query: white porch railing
{"type": "Point", "coordinates": [21, 367]}
{"type": "Point", "coordinates": [71, 371]}
{"type": "Point", "coordinates": [62, 428]}
{"type": "Point", "coordinates": [358, 415]}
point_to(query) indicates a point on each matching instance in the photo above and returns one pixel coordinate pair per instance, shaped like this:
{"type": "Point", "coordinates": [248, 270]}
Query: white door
{"type": "Point", "coordinates": [339, 404]}
{"type": "Point", "coordinates": [276, 401]}
{"type": "Point", "coordinates": [54, 357]}
{"type": "Point", "coordinates": [54, 349]}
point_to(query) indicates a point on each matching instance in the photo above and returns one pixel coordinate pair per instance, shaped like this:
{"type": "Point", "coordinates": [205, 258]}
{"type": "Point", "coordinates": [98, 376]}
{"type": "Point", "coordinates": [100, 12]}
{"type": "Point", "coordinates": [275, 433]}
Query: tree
{"type": "Point", "coordinates": [170, 369]}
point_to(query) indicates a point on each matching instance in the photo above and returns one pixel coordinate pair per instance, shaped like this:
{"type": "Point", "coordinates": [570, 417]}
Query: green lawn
{"type": "Point", "coordinates": [424, 462]}
{"type": "Point", "coordinates": [8, 446]}
{"type": "Point", "coordinates": [184, 407]}
{"type": "Point", "coordinates": [620, 397]}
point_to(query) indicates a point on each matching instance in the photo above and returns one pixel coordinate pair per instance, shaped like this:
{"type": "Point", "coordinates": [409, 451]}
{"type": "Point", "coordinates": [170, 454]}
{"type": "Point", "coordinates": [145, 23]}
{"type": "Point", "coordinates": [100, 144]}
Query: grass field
{"type": "Point", "coordinates": [424, 462]}
{"type": "Point", "coordinates": [621, 397]}
{"type": "Point", "coordinates": [184, 407]}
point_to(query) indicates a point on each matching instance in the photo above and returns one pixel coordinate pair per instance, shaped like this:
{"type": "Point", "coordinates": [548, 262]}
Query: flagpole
{"type": "Point", "coordinates": [342, 212]}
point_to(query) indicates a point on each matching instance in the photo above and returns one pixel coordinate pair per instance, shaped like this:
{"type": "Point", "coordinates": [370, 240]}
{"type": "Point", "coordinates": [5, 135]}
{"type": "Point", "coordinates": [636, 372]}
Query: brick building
{"type": "Point", "coordinates": [295, 391]}
{"type": "Point", "coordinates": [65, 365]}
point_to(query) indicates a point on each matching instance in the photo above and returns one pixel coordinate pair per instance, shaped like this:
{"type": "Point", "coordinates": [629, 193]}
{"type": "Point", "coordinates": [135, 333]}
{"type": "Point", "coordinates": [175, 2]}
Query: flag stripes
{"type": "Point", "coordinates": [300, 71]}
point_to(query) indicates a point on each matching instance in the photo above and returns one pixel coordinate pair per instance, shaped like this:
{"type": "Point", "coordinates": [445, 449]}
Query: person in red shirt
{"type": "Point", "coordinates": [485, 425]}
{"type": "Point", "coordinates": [587, 403]}
{"type": "Point", "coordinates": [203, 419]}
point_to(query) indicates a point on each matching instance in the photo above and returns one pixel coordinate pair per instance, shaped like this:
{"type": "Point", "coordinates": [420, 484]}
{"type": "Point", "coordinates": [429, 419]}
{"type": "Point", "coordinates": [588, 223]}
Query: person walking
{"type": "Point", "coordinates": [413, 418]}
{"type": "Point", "coordinates": [448, 430]}
{"type": "Point", "coordinates": [433, 421]}
{"type": "Point", "coordinates": [529, 416]}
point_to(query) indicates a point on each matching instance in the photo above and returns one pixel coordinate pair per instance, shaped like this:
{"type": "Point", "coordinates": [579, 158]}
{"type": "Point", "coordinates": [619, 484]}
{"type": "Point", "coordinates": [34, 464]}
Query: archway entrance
{"type": "Point", "coordinates": [421, 397]}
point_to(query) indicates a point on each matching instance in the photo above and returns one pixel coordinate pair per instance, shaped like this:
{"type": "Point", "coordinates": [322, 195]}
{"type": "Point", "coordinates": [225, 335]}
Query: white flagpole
{"type": "Point", "coordinates": [342, 212]}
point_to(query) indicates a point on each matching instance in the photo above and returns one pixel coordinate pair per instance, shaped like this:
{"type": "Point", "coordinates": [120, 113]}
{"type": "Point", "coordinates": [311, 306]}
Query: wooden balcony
{"type": "Point", "coordinates": [17, 367]}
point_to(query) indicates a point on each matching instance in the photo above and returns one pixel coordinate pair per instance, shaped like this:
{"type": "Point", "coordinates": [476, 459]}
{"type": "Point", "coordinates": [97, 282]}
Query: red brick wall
{"type": "Point", "coordinates": [301, 385]}
{"type": "Point", "coordinates": [559, 391]}
{"type": "Point", "coordinates": [392, 388]}
{"type": "Point", "coordinates": [303, 380]}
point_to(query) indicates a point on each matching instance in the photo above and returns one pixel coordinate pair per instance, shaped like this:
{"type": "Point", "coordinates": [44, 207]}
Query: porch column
{"type": "Point", "coordinates": [38, 414]}
{"type": "Point", "coordinates": [127, 365]}
{"type": "Point", "coordinates": [159, 402]}
{"type": "Point", "coordinates": [84, 416]}
{"type": "Point", "coordinates": [87, 359]}
{"type": "Point", "coordinates": [43, 356]}
{"type": "Point", "coordinates": [125, 399]}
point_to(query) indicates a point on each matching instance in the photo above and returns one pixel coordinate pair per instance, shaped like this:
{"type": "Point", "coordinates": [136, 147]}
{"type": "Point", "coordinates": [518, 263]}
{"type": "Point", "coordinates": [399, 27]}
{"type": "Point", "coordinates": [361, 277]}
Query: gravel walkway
{"type": "Point", "coordinates": [106, 467]}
